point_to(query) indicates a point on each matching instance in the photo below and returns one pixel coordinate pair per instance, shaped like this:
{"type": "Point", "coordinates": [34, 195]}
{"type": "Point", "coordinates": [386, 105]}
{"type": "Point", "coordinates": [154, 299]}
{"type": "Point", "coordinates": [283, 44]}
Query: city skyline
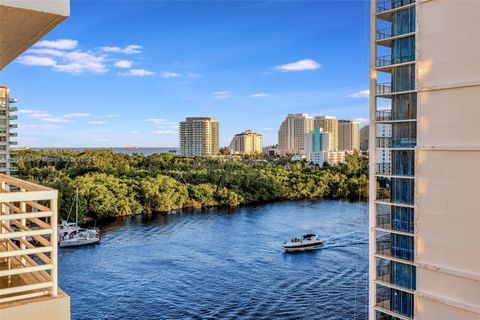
{"type": "Point", "coordinates": [179, 73]}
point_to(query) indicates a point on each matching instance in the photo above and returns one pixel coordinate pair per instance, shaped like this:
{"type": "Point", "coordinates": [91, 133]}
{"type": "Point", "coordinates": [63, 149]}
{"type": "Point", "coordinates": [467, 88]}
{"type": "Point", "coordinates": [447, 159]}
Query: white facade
{"type": "Point", "coordinates": [318, 158]}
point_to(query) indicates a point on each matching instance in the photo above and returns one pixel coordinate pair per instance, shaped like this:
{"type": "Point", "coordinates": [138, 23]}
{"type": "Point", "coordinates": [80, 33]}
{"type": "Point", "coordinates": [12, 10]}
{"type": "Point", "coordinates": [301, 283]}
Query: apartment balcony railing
{"type": "Point", "coordinates": [383, 115]}
{"type": "Point", "coordinates": [387, 142]}
{"type": "Point", "coordinates": [13, 100]}
{"type": "Point", "coordinates": [383, 6]}
{"type": "Point", "coordinates": [28, 240]}
{"type": "Point", "coordinates": [395, 300]}
{"type": "Point", "coordinates": [13, 143]}
{"type": "Point", "coordinates": [387, 60]}
{"type": "Point", "coordinates": [13, 134]}
{"type": "Point", "coordinates": [14, 117]}
{"type": "Point", "coordinates": [13, 126]}
{"type": "Point", "coordinates": [384, 88]}
{"type": "Point", "coordinates": [384, 194]}
{"type": "Point", "coordinates": [384, 33]}
{"type": "Point", "coordinates": [13, 109]}
{"type": "Point", "coordinates": [383, 168]}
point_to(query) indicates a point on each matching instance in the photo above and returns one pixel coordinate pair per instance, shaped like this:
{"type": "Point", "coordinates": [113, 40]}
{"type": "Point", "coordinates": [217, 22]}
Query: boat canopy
{"type": "Point", "coordinates": [310, 235]}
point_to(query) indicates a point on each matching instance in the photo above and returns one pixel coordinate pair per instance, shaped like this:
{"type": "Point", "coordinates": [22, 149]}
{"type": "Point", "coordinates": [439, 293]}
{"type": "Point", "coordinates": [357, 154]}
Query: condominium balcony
{"type": "Point", "coordinates": [394, 245]}
{"type": "Point", "coordinates": [13, 134]}
{"type": "Point", "coordinates": [396, 274]}
{"type": "Point", "coordinates": [13, 126]}
{"type": "Point", "coordinates": [383, 115]}
{"type": "Point", "coordinates": [387, 63]}
{"type": "Point", "coordinates": [401, 142]}
{"type": "Point", "coordinates": [390, 217]}
{"type": "Point", "coordinates": [383, 6]}
{"type": "Point", "coordinates": [12, 109]}
{"type": "Point", "coordinates": [394, 301]}
{"type": "Point", "coordinates": [28, 251]}
{"type": "Point", "coordinates": [13, 117]}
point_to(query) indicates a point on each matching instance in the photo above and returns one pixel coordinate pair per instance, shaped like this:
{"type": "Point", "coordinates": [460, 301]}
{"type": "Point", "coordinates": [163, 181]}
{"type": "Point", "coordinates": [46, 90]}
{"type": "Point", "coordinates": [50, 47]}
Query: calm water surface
{"type": "Point", "coordinates": [224, 265]}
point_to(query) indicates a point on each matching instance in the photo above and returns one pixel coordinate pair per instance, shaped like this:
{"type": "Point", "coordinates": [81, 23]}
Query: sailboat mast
{"type": "Point", "coordinates": [76, 207]}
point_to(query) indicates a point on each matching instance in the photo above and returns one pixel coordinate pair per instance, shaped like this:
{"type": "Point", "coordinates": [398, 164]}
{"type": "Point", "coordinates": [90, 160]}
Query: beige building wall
{"type": "Point", "coordinates": [328, 124]}
{"type": "Point", "coordinates": [448, 160]}
{"type": "Point", "coordinates": [291, 135]}
{"type": "Point", "coordinates": [199, 136]}
{"type": "Point", "coordinates": [348, 135]}
{"type": "Point", "coordinates": [247, 142]}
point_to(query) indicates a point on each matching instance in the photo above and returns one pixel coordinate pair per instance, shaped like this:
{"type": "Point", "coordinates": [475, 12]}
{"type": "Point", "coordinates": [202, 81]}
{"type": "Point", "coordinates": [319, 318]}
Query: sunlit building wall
{"type": "Point", "coordinates": [424, 208]}
{"type": "Point", "coordinates": [291, 135]}
{"type": "Point", "coordinates": [247, 142]}
{"type": "Point", "coordinates": [7, 160]}
{"type": "Point", "coordinates": [199, 137]}
{"type": "Point", "coordinates": [328, 124]}
{"type": "Point", "coordinates": [348, 135]}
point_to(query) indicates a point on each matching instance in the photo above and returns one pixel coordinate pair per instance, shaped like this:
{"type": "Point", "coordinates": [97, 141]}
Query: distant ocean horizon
{"type": "Point", "coordinates": [126, 150]}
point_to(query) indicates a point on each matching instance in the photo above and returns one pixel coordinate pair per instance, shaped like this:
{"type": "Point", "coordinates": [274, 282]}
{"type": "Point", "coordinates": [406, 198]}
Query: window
{"type": "Point", "coordinates": [404, 106]}
{"type": "Point", "coordinates": [402, 246]}
{"type": "Point", "coordinates": [403, 78]}
{"type": "Point", "coordinates": [403, 22]}
{"type": "Point", "coordinates": [402, 190]}
{"type": "Point", "coordinates": [403, 50]}
{"type": "Point", "coordinates": [403, 162]}
{"type": "Point", "coordinates": [402, 219]}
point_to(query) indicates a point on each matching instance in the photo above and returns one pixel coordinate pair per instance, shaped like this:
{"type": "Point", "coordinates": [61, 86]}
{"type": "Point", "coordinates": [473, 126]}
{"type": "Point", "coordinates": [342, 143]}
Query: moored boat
{"type": "Point", "coordinates": [306, 242]}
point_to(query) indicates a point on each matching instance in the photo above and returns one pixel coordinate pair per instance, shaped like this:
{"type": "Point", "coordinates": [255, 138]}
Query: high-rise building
{"type": "Point", "coordinates": [247, 142]}
{"type": "Point", "coordinates": [348, 135]}
{"type": "Point", "coordinates": [291, 134]}
{"type": "Point", "coordinates": [199, 136]}
{"type": "Point", "coordinates": [424, 209]}
{"type": "Point", "coordinates": [364, 133]}
{"type": "Point", "coordinates": [7, 165]}
{"type": "Point", "coordinates": [328, 124]}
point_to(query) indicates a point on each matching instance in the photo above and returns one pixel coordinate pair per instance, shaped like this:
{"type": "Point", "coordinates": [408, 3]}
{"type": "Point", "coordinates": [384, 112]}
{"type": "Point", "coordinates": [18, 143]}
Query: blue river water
{"type": "Point", "coordinates": [224, 264]}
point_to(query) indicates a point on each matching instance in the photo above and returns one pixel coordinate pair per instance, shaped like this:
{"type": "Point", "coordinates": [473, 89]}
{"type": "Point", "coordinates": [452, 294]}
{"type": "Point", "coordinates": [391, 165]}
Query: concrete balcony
{"type": "Point", "coordinates": [28, 252]}
{"type": "Point", "coordinates": [25, 22]}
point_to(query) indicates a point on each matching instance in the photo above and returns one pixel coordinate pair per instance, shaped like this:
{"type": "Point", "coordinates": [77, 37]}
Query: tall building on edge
{"type": "Point", "coordinates": [7, 160]}
{"type": "Point", "coordinates": [424, 212]}
{"type": "Point", "coordinates": [199, 137]}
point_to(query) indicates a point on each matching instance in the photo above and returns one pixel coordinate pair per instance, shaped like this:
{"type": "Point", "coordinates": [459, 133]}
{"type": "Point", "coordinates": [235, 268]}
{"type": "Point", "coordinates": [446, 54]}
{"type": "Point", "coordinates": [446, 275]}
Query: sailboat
{"type": "Point", "coordinates": [70, 234]}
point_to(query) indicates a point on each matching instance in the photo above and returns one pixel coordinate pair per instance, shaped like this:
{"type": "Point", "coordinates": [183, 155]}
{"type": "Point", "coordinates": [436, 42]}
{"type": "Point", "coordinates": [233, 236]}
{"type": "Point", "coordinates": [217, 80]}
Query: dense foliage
{"type": "Point", "coordinates": [111, 184]}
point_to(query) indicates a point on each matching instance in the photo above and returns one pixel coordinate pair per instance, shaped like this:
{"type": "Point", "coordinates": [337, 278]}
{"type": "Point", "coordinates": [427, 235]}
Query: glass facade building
{"type": "Point", "coordinates": [394, 177]}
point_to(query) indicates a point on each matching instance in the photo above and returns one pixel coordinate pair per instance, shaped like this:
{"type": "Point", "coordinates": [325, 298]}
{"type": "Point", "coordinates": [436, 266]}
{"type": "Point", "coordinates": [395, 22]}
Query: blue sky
{"type": "Point", "coordinates": [124, 73]}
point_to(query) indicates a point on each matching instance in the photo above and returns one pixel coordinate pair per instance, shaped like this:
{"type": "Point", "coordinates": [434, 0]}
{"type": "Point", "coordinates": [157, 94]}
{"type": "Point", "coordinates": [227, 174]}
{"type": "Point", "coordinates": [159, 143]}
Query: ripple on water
{"type": "Point", "coordinates": [224, 265]}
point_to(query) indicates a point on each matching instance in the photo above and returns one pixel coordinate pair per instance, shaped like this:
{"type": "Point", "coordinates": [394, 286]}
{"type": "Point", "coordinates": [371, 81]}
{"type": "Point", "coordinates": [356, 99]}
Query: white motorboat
{"type": "Point", "coordinates": [70, 234]}
{"type": "Point", "coordinates": [304, 243]}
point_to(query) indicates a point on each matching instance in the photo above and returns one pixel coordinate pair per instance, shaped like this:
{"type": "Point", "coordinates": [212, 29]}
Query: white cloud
{"type": "Point", "coordinates": [37, 61]}
{"type": "Point", "coordinates": [124, 64]}
{"type": "Point", "coordinates": [300, 65]}
{"type": "Point", "coordinates": [77, 115]}
{"type": "Point", "coordinates": [362, 121]}
{"type": "Point", "coordinates": [259, 95]}
{"type": "Point", "coordinates": [110, 115]}
{"type": "Point", "coordinates": [54, 119]}
{"type": "Point", "coordinates": [360, 94]}
{"type": "Point", "coordinates": [135, 132]}
{"type": "Point", "coordinates": [169, 74]}
{"type": "Point", "coordinates": [38, 126]}
{"type": "Point", "coordinates": [221, 95]}
{"type": "Point", "coordinates": [96, 122]}
{"type": "Point", "coordinates": [39, 115]}
{"type": "Point", "coordinates": [130, 49]}
{"type": "Point", "coordinates": [138, 73]}
{"type": "Point", "coordinates": [74, 62]}
{"type": "Point", "coordinates": [30, 111]}
{"type": "Point", "coordinates": [267, 129]}
{"type": "Point", "coordinates": [166, 132]}
{"type": "Point", "coordinates": [156, 120]}
{"type": "Point", "coordinates": [62, 44]}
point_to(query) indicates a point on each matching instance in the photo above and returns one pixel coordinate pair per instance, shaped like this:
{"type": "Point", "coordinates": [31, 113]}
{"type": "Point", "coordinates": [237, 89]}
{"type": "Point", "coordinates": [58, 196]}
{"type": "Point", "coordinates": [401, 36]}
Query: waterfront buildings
{"type": "Point", "coordinates": [247, 142]}
{"type": "Point", "coordinates": [199, 136]}
{"type": "Point", "coordinates": [7, 160]}
{"type": "Point", "coordinates": [318, 145]}
{"type": "Point", "coordinates": [28, 272]}
{"type": "Point", "coordinates": [271, 151]}
{"type": "Point", "coordinates": [424, 208]}
{"type": "Point", "coordinates": [348, 136]}
{"type": "Point", "coordinates": [292, 131]}
{"type": "Point", "coordinates": [328, 124]}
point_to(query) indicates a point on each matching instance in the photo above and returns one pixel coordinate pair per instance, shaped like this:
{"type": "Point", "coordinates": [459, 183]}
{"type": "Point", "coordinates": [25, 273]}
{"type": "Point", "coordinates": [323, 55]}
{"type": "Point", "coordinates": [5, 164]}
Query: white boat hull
{"type": "Point", "coordinates": [303, 247]}
{"type": "Point", "coordinates": [78, 242]}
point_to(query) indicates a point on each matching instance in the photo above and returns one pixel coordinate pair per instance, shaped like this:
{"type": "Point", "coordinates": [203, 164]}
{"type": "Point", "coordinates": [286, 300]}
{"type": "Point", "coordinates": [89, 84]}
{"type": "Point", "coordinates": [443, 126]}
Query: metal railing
{"type": "Point", "coordinates": [392, 4]}
{"type": "Point", "coordinates": [383, 115]}
{"type": "Point", "coordinates": [384, 33]}
{"type": "Point", "coordinates": [28, 240]}
{"type": "Point", "coordinates": [388, 60]}
{"type": "Point", "coordinates": [383, 194]}
{"type": "Point", "coordinates": [384, 61]}
{"type": "Point", "coordinates": [383, 168]}
{"type": "Point", "coordinates": [384, 88]}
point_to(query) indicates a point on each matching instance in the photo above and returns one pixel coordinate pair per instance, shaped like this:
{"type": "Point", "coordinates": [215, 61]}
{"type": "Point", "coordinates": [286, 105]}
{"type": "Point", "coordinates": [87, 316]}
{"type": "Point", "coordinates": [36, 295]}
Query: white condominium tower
{"type": "Point", "coordinates": [348, 135]}
{"type": "Point", "coordinates": [7, 165]}
{"type": "Point", "coordinates": [292, 133]}
{"type": "Point", "coordinates": [424, 205]}
{"type": "Point", "coordinates": [247, 142]}
{"type": "Point", "coordinates": [328, 124]}
{"type": "Point", "coordinates": [199, 136]}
